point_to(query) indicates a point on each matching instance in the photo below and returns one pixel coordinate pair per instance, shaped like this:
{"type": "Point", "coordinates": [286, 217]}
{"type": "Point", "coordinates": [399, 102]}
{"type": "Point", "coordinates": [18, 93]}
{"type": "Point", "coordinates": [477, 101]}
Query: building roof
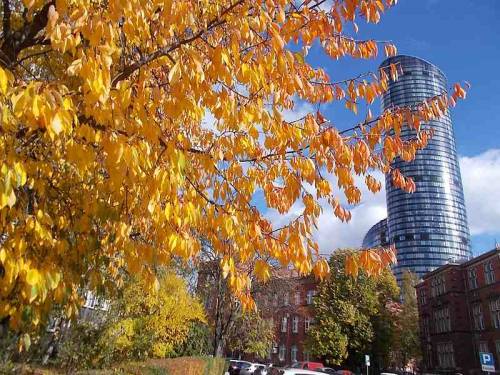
{"type": "Point", "coordinates": [461, 265]}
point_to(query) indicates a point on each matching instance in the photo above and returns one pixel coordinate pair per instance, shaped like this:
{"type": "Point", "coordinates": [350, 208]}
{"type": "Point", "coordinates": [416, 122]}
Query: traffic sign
{"type": "Point", "coordinates": [367, 360]}
{"type": "Point", "coordinates": [487, 361]}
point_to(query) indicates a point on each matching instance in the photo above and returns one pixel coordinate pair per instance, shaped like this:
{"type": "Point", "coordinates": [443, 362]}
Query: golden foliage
{"type": "Point", "coordinates": [108, 163]}
{"type": "Point", "coordinates": [152, 323]}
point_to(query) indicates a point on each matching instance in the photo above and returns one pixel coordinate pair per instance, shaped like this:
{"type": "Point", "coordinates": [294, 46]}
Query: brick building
{"type": "Point", "coordinates": [290, 310]}
{"type": "Point", "coordinates": [459, 311]}
{"type": "Point", "coordinates": [286, 301]}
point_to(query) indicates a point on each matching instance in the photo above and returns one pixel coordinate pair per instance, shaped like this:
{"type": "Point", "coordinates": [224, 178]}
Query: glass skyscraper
{"type": "Point", "coordinates": [429, 227]}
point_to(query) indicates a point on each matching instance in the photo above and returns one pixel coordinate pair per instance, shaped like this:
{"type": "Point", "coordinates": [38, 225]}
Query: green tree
{"type": "Point", "coordinates": [350, 313]}
{"type": "Point", "coordinates": [408, 332]}
{"type": "Point", "coordinates": [251, 334]}
{"type": "Point", "coordinates": [149, 322]}
{"type": "Point", "coordinates": [384, 321]}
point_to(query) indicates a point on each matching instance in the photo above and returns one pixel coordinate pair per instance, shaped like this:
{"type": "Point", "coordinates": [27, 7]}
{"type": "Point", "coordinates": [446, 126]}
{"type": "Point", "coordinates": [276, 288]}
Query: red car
{"type": "Point", "coordinates": [308, 365]}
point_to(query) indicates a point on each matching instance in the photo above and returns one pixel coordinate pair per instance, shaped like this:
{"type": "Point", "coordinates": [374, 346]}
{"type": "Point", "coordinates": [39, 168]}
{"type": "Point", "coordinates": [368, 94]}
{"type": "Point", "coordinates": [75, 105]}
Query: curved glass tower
{"type": "Point", "coordinates": [429, 227]}
{"type": "Point", "coordinates": [377, 235]}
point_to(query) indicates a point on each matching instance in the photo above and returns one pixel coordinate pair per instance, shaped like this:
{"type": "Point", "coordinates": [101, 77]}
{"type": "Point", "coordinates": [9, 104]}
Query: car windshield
{"type": "Point", "coordinates": [296, 365]}
{"type": "Point", "coordinates": [245, 365]}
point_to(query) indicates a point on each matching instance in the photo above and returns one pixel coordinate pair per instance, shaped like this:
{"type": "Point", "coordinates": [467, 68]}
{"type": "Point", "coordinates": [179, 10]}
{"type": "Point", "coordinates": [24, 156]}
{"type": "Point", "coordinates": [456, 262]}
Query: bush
{"type": "Point", "coordinates": [81, 349]}
{"type": "Point", "coordinates": [178, 366]}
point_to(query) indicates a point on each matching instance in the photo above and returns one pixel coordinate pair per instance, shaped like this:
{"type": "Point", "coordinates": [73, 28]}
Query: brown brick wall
{"type": "Point", "coordinates": [460, 299]}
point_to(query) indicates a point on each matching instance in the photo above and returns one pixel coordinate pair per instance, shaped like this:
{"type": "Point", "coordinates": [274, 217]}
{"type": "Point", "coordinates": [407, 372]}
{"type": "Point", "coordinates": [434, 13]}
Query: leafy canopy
{"type": "Point", "coordinates": [347, 312]}
{"type": "Point", "coordinates": [151, 323]}
{"type": "Point", "coordinates": [110, 165]}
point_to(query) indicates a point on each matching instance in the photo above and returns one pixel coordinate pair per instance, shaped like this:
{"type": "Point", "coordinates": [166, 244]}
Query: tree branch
{"type": "Point", "coordinates": [6, 19]}
{"type": "Point", "coordinates": [130, 69]}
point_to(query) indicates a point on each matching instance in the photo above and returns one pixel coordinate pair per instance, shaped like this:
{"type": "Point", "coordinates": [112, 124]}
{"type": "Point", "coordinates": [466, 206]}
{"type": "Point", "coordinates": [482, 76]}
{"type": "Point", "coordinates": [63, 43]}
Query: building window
{"type": "Point", "coordinates": [422, 298]}
{"type": "Point", "coordinates": [438, 286]}
{"type": "Point", "coordinates": [497, 347]}
{"type": "Point", "coordinates": [297, 298]}
{"type": "Point", "coordinates": [284, 324]}
{"type": "Point", "coordinates": [94, 302]}
{"type": "Point", "coordinates": [483, 347]}
{"type": "Point", "coordinates": [310, 295]}
{"type": "Point", "coordinates": [295, 324]}
{"type": "Point", "coordinates": [477, 315]}
{"type": "Point", "coordinates": [286, 299]}
{"type": "Point", "coordinates": [293, 353]}
{"type": "Point", "coordinates": [472, 278]}
{"type": "Point", "coordinates": [446, 357]}
{"type": "Point", "coordinates": [282, 353]}
{"type": "Point", "coordinates": [307, 324]}
{"type": "Point", "coordinates": [442, 322]}
{"type": "Point", "coordinates": [275, 347]}
{"type": "Point", "coordinates": [425, 327]}
{"type": "Point", "coordinates": [495, 312]}
{"type": "Point", "coordinates": [489, 272]}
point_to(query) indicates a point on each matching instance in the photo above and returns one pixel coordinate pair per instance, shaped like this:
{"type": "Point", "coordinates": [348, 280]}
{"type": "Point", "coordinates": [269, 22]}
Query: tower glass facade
{"type": "Point", "coordinates": [377, 235]}
{"type": "Point", "coordinates": [429, 227]}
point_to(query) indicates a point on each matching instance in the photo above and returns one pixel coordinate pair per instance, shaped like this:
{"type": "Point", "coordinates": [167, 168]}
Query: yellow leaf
{"type": "Point", "coordinates": [174, 74]}
{"type": "Point", "coordinates": [262, 270]}
{"type": "Point", "coordinates": [4, 80]}
{"type": "Point", "coordinates": [56, 125]}
{"type": "Point", "coordinates": [33, 277]}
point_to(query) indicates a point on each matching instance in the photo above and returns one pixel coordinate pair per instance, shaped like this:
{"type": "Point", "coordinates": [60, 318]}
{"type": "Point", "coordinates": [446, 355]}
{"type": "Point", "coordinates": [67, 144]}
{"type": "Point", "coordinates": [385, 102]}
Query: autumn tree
{"type": "Point", "coordinates": [407, 341]}
{"type": "Point", "coordinates": [233, 328]}
{"type": "Point", "coordinates": [151, 323]}
{"type": "Point", "coordinates": [349, 312]}
{"type": "Point", "coordinates": [130, 130]}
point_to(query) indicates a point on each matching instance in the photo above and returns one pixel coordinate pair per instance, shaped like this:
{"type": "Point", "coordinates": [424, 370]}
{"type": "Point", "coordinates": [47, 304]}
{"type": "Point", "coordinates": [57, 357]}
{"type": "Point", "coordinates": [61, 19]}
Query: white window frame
{"type": "Point", "coordinates": [478, 317]}
{"type": "Point", "coordinates": [282, 353]}
{"type": "Point", "coordinates": [442, 321]}
{"type": "Point", "coordinates": [297, 298]}
{"type": "Point", "coordinates": [310, 296]}
{"type": "Point", "coordinates": [495, 312]}
{"type": "Point", "coordinates": [295, 324]}
{"type": "Point", "coordinates": [307, 324]}
{"type": "Point", "coordinates": [446, 355]}
{"type": "Point", "coordinates": [293, 353]}
{"type": "Point", "coordinates": [284, 324]}
{"type": "Point", "coordinates": [489, 272]}
{"type": "Point", "coordinates": [472, 278]}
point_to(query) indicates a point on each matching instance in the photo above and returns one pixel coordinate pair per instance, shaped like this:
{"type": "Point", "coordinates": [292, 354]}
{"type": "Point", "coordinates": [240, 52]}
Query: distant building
{"type": "Point", "coordinates": [285, 301]}
{"type": "Point", "coordinates": [290, 310]}
{"type": "Point", "coordinates": [429, 227]}
{"type": "Point", "coordinates": [459, 313]}
{"type": "Point", "coordinates": [377, 235]}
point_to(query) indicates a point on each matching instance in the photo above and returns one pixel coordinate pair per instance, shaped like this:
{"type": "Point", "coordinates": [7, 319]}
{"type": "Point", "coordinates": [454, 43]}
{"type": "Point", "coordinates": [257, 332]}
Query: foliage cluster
{"type": "Point", "coordinates": [151, 323]}
{"type": "Point", "coordinates": [180, 366]}
{"type": "Point", "coordinates": [407, 333]}
{"type": "Point", "coordinates": [108, 166]}
{"type": "Point", "coordinates": [351, 314]}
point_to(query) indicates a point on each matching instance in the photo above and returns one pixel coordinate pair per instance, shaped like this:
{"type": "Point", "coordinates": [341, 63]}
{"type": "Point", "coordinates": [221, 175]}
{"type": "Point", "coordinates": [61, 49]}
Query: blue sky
{"type": "Point", "coordinates": [463, 39]}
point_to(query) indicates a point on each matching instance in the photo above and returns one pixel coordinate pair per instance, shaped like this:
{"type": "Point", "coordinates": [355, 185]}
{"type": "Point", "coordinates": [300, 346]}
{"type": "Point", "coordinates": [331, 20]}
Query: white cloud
{"type": "Point", "coordinates": [481, 180]}
{"type": "Point", "coordinates": [333, 233]}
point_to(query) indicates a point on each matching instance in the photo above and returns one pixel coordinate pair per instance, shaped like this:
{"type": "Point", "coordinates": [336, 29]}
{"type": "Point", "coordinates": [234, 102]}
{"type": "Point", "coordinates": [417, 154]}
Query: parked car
{"type": "Point", "coordinates": [307, 365]}
{"type": "Point", "coordinates": [265, 370]}
{"type": "Point", "coordinates": [343, 372]}
{"type": "Point", "coordinates": [299, 371]}
{"type": "Point", "coordinates": [235, 366]}
{"type": "Point", "coordinates": [328, 370]}
{"type": "Point", "coordinates": [252, 370]}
